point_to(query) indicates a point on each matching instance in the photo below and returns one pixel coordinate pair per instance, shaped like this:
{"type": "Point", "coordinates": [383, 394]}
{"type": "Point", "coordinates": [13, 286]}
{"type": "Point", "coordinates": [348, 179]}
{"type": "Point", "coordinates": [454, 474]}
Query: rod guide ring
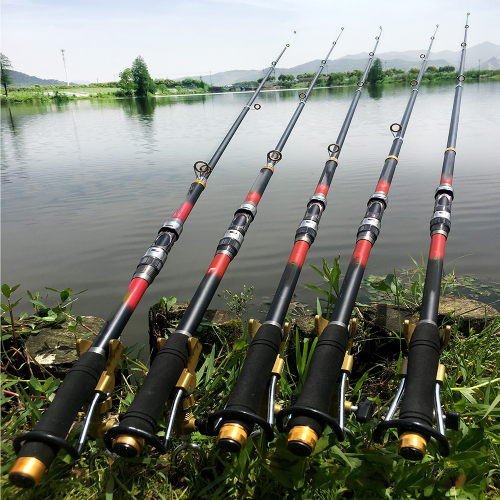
{"type": "Point", "coordinates": [422, 56]}
{"type": "Point", "coordinates": [302, 95]}
{"type": "Point", "coordinates": [288, 45]}
{"type": "Point", "coordinates": [466, 26]}
{"type": "Point", "coordinates": [361, 83]}
{"type": "Point", "coordinates": [274, 156]}
{"type": "Point", "coordinates": [432, 38]}
{"type": "Point", "coordinates": [257, 106]}
{"type": "Point", "coordinates": [204, 169]}
{"type": "Point", "coordinates": [335, 149]}
{"type": "Point", "coordinates": [461, 78]}
{"type": "Point", "coordinates": [371, 54]}
{"type": "Point", "coordinates": [273, 63]}
{"type": "Point", "coordinates": [464, 44]}
{"type": "Point", "coordinates": [376, 38]}
{"type": "Point", "coordinates": [395, 127]}
{"type": "Point", "coordinates": [413, 83]}
{"type": "Point", "coordinates": [323, 61]}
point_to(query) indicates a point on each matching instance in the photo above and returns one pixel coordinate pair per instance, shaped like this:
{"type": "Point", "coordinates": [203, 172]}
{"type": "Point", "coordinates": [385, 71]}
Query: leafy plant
{"type": "Point", "coordinates": [331, 275]}
{"type": "Point", "coordinates": [167, 304]}
{"type": "Point", "coordinates": [237, 303]}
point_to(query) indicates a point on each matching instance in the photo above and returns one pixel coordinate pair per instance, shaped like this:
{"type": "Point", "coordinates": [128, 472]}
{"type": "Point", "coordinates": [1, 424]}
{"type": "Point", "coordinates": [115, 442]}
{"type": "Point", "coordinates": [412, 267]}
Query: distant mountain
{"type": "Point", "coordinates": [401, 60]}
{"type": "Point", "coordinates": [483, 51]}
{"type": "Point", "coordinates": [493, 63]}
{"type": "Point", "coordinates": [24, 80]}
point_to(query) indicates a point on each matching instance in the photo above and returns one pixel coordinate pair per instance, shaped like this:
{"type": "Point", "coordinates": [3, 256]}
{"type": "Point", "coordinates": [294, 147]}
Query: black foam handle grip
{"type": "Point", "coordinates": [324, 370]}
{"type": "Point", "coordinates": [254, 377]}
{"type": "Point", "coordinates": [423, 361]}
{"type": "Point", "coordinates": [148, 404]}
{"type": "Point", "coordinates": [74, 392]}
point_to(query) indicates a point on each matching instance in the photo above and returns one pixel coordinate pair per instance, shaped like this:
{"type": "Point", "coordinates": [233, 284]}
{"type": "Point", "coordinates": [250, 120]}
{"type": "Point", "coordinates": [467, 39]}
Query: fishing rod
{"type": "Point", "coordinates": [263, 363]}
{"type": "Point", "coordinates": [306, 420]}
{"type": "Point", "coordinates": [168, 374]}
{"type": "Point", "coordinates": [37, 449]}
{"type": "Point", "coordinates": [422, 376]}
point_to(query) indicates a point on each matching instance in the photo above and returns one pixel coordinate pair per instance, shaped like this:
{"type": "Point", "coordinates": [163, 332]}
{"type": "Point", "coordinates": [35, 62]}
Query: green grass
{"type": "Point", "coordinates": [356, 468]}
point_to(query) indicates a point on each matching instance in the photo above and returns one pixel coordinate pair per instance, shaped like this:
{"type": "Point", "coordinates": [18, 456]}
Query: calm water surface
{"type": "Point", "coordinates": [86, 186]}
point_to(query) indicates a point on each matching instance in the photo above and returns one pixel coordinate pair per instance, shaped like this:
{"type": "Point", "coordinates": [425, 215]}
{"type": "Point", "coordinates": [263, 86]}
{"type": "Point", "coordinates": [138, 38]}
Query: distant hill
{"type": "Point", "coordinates": [24, 80]}
{"type": "Point", "coordinates": [485, 51]}
{"type": "Point", "coordinates": [493, 63]}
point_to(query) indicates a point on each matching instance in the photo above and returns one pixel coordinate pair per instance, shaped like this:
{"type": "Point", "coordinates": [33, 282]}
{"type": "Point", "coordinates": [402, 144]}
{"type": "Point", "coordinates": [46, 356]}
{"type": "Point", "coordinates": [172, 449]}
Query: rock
{"type": "Point", "coordinates": [474, 315]}
{"type": "Point", "coordinates": [229, 324]}
{"type": "Point", "coordinates": [305, 325]}
{"type": "Point", "coordinates": [389, 316]}
{"type": "Point", "coordinates": [54, 349]}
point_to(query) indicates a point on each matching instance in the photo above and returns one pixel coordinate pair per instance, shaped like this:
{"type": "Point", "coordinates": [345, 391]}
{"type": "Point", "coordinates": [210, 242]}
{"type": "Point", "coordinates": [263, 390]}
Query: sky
{"type": "Point", "coordinates": [195, 37]}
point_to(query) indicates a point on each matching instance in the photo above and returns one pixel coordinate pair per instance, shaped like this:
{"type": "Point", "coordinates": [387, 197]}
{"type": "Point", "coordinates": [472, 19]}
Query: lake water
{"type": "Point", "coordinates": [86, 185]}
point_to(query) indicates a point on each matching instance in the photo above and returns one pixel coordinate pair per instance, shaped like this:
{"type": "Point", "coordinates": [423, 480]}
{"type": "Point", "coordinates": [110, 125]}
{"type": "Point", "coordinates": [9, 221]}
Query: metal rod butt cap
{"type": "Point", "coordinates": [27, 472]}
{"type": "Point", "coordinates": [412, 446]}
{"type": "Point", "coordinates": [232, 438]}
{"type": "Point", "coordinates": [128, 446]}
{"type": "Point", "coordinates": [301, 441]}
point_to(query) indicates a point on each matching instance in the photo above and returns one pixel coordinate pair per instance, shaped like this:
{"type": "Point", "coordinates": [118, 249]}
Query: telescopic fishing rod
{"type": "Point", "coordinates": [306, 420]}
{"type": "Point", "coordinates": [422, 376]}
{"type": "Point", "coordinates": [170, 375]}
{"type": "Point", "coordinates": [85, 379]}
{"type": "Point", "coordinates": [263, 363]}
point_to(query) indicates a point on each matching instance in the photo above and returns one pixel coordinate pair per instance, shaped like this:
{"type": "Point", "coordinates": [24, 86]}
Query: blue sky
{"type": "Point", "coordinates": [192, 37]}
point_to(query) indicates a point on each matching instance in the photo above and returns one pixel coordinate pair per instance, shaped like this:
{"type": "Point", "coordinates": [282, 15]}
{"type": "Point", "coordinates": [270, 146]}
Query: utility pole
{"type": "Point", "coordinates": [64, 61]}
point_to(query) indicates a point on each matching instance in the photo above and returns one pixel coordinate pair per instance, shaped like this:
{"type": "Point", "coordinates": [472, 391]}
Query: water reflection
{"type": "Point", "coordinates": [375, 91]}
{"type": "Point", "coordinates": [80, 184]}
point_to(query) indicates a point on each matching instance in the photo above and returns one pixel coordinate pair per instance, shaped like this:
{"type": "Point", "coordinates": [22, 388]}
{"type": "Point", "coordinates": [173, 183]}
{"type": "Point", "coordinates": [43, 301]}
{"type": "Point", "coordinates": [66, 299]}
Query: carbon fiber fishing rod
{"type": "Point", "coordinates": [263, 363]}
{"type": "Point", "coordinates": [168, 376]}
{"type": "Point", "coordinates": [306, 420]}
{"type": "Point", "coordinates": [43, 443]}
{"type": "Point", "coordinates": [422, 376]}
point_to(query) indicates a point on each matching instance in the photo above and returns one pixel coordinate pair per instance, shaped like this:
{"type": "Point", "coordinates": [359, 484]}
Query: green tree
{"type": "Point", "coordinates": [414, 70]}
{"type": "Point", "coordinates": [126, 83]}
{"type": "Point", "coordinates": [5, 66]}
{"type": "Point", "coordinates": [142, 78]}
{"type": "Point", "coordinates": [376, 73]}
{"type": "Point", "coordinates": [335, 79]}
{"type": "Point", "coordinates": [286, 78]}
{"type": "Point", "coordinates": [431, 69]}
{"type": "Point", "coordinates": [447, 69]}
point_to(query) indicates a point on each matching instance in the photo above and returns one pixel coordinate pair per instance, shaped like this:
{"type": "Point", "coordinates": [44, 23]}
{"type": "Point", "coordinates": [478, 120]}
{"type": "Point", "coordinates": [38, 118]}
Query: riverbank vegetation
{"type": "Point", "coordinates": [356, 469]}
{"type": "Point", "coordinates": [136, 82]}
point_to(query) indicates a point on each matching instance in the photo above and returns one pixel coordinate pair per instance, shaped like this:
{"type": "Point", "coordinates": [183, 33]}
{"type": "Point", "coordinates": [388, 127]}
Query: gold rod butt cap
{"type": "Point", "coordinates": [412, 446]}
{"type": "Point", "coordinates": [301, 441]}
{"type": "Point", "coordinates": [27, 472]}
{"type": "Point", "coordinates": [232, 438]}
{"type": "Point", "coordinates": [127, 446]}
